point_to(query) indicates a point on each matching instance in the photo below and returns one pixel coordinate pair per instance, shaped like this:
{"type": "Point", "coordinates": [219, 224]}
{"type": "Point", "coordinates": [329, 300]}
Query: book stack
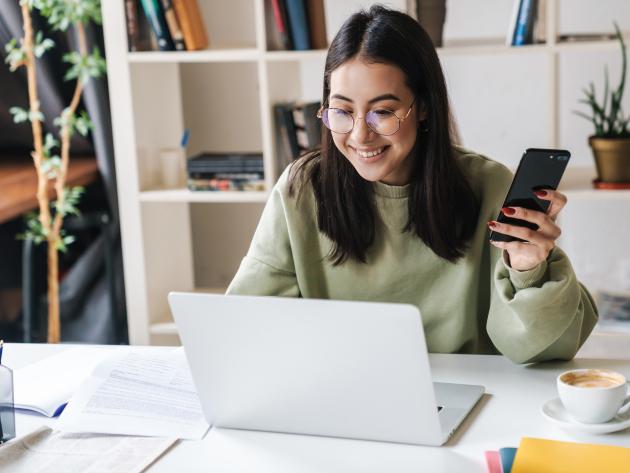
{"type": "Point", "coordinates": [298, 129]}
{"type": "Point", "coordinates": [226, 172]}
{"type": "Point", "coordinates": [295, 25]}
{"type": "Point", "coordinates": [165, 25]}
{"type": "Point", "coordinates": [527, 25]}
{"type": "Point", "coordinates": [535, 455]}
{"type": "Point", "coordinates": [312, 24]}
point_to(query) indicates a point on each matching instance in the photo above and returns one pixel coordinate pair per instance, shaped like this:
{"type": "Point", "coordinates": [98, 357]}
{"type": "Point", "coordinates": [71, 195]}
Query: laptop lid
{"type": "Point", "coordinates": [320, 367]}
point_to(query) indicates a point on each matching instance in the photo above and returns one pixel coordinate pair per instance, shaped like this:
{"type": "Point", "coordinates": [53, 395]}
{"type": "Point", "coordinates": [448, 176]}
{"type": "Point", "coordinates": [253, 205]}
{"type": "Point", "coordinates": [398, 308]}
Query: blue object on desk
{"type": "Point", "coordinates": [7, 411]}
{"type": "Point", "coordinates": [507, 458]}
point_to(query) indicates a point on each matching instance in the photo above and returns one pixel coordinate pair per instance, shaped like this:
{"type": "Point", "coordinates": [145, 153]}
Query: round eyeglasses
{"type": "Point", "coordinates": [381, 122]}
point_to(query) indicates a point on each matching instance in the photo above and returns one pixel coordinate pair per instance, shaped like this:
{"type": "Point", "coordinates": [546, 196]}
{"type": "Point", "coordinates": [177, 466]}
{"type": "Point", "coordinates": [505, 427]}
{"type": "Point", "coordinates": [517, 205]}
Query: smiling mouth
{"type": "Point", "coordinates": [370, 154]}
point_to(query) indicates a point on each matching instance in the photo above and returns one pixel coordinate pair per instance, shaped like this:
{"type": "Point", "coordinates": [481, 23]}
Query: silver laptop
{"type": "Point", "coordinates": [335, 368]}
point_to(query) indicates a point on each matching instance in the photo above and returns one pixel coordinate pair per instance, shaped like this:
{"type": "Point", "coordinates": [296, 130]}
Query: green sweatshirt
{"type": "Point", "coordinates": [476, 305]}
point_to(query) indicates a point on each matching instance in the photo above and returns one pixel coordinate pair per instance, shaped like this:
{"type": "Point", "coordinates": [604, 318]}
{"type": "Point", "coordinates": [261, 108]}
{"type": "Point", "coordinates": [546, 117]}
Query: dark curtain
{"type": "Point", "coordinates": [89, 312]}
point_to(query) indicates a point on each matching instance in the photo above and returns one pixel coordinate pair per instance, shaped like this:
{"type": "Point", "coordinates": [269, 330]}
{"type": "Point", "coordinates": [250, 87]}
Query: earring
{"type": "Point", "coordinates": [424, 126]}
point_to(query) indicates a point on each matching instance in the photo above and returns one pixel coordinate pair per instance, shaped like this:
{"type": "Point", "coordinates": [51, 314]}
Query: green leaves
{"type": "Point", "coordinates": [81, 123]}
{"type": "Point", "coordinates": [15, 55]}
{"type": "Point", "coordinates": [34, 229]}
{"type": "Point", "coordinates": [84, 67]}
{"type": "Point", "coordinates": [72, 195]}
{"type": "Point", "coordinates": [38, 234]}
{"type": "Point", "coordinates": [21, 115]}
{"type": "Point", "coordinates": [63, 13]}
{"type": "Point", "coordinates": [50, 164]}
{"type": "Point", "coordinates": [607, 116]}
{"type": "Point", "coordinates": [42, 44]}
{"type": "Point", "coordinates": [64, 241]}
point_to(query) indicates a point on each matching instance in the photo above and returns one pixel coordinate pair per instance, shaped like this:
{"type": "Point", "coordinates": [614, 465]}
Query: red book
{"type": "Point", "coordinates": [282, 25]}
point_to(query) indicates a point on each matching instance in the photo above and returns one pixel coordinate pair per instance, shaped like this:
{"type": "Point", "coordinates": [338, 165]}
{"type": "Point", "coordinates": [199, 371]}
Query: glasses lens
{"type": "Point", "coordinates": [382, 122]}
{"type": "Point", "coordinates": [337, 120]}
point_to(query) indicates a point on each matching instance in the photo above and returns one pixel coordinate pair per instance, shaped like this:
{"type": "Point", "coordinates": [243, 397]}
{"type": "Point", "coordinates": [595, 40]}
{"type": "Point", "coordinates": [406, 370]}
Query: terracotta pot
{"type": "Point", "coordinates": [612, 158]}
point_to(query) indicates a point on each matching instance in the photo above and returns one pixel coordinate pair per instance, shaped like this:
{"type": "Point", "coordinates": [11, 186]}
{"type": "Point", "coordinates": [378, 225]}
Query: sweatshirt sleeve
{"type": "Point", "coordinates": [540, 314]}
{"type": "Point", "coordinates": [268, 268]}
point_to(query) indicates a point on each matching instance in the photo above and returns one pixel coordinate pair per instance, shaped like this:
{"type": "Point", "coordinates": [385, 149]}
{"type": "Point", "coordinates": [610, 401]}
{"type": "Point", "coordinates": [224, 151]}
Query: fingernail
{"type": "Point", "coordinates": [541, 193]}
{"type": "Point", "coordinates": [508, 210]}
{"type": "Point", "coordinates": [492, 223]}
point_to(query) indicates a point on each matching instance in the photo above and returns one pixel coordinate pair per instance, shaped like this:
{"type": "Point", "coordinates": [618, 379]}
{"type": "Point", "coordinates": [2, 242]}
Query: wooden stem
{"type": "Point", "coordinates": [52, 228]}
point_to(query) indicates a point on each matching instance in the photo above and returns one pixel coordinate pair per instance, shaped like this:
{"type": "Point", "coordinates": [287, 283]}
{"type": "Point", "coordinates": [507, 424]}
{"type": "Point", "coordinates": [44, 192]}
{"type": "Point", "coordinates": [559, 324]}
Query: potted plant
{"type": "Point", "coordinates": [611, 141]}
{"type": "Point", "coordinates": [46, 226]}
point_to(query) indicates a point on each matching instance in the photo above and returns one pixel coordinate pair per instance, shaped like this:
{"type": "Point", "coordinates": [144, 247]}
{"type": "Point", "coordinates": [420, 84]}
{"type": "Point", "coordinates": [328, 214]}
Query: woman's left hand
{"type": "Point", "coordinates": [539, 243]}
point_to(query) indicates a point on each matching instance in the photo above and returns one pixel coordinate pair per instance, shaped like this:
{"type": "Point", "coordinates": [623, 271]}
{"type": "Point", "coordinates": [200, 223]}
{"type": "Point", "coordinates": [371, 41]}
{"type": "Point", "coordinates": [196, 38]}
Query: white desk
{"type": "Point", "coordinates": [509, 411]}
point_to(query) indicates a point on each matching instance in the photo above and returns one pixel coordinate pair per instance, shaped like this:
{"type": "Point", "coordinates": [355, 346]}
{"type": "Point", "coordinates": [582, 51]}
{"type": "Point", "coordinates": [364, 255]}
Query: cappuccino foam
{"type": "Point", "coordinates": [592, 379]}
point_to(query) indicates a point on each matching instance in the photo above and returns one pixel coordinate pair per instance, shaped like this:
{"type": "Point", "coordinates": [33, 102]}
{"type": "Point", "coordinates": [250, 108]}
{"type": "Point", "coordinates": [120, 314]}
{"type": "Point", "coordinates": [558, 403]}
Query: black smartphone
{"type": "Point", "coordinates": [539, 169]}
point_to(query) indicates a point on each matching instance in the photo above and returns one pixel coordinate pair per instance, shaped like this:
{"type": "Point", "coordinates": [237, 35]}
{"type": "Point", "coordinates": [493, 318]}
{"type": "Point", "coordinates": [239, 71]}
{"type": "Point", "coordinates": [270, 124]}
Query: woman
{"type": "Point", "coordinates": [391, 210]}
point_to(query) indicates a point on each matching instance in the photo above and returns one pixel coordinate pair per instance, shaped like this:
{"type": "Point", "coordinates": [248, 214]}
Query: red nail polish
{"type": "Point", "coordinates": [541, 193]}
{"type": "Point", "coordinates": [508, 211]}
{"type": "Point", "coordinates": [492, 223]}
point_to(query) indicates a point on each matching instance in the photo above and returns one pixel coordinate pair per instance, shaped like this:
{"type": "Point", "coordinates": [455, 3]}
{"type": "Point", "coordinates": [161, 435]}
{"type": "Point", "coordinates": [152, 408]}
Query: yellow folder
{"type": "Point", "coordinates": [551, 456]}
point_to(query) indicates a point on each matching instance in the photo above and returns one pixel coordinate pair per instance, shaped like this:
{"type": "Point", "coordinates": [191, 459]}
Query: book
{"type": "Point", "coordinates": [173, 25]}
{"type": "Point", "coordinates": [525, 22]}
{"type": "Point", "coordinates": [282, 23]}
{"type": "Point", "coordinates": [307, 125]}
{"type": "Point", "coordinates": [155, 15]}
{"type": "Point", "coordinates": [539, 34]}
{"type": "Point", "coordinates": [139, 35]}
{"type": "Point", "coordinates": [507, 455]}
{"type": "Point", "coordinates": [242, 175]}
{"type": "Point", "coordinates": [296, 12]}
{"type": "Point", "coordinates": [316, 24]}
{"type": "Point", "coordinates": [46, 386]}
{"type": "Point", "coordinates": [493, 461]}
{"type": "Point", "coordinates": [191, 23]}
{"type": "Point", "coordinates": [274, 40]}
{"type": "Point", "coordinates": [289, 148]}
{"type": "Point", "coordinates": [46, 449]}
{"type": "Point", "coordinates": [225, 184]}
{"type": "Point", "coordinates": [509, 38]}
{"type": "Point", "coordinates": [206, 163]}
{"type": "Point", "coordinates": [133, 33]}
{"type": "Point", "coordinates": [535, 455]}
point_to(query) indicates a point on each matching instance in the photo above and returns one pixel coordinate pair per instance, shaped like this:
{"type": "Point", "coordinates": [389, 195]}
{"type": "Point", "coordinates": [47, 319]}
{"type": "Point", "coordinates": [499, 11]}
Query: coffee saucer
{"type": "Point", "coordinates": [555, 412]}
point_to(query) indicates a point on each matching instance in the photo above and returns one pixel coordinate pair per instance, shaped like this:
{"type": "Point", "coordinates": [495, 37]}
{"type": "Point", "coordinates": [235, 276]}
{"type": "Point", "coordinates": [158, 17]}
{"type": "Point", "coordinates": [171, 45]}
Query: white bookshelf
{"type": "Point", "coordinates": [175, 239]}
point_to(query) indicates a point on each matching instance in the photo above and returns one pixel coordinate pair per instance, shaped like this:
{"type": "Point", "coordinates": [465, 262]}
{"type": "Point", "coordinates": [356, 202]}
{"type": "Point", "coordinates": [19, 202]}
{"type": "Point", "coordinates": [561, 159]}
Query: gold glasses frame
{"type": "Point", "coordinates": [321, 110]}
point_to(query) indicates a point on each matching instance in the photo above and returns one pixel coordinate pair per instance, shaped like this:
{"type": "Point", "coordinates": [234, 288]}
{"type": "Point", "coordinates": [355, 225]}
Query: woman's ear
{"type": "Point", "coordinates": [421, 112]}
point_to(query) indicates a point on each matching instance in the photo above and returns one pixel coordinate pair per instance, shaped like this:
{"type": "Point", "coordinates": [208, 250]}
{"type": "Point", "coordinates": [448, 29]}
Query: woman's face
{"type": "Point", "coordinates": [358, 88]}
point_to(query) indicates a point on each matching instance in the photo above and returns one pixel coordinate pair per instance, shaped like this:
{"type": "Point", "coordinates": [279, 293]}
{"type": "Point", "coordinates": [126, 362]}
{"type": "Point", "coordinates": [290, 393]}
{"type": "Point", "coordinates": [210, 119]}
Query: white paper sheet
{"type": "Point", "coordinates": [141, 392]}
{"type": "Point", "coordinates": [45, 451]}
{"type": "Point", "coordinates": [46, 385]}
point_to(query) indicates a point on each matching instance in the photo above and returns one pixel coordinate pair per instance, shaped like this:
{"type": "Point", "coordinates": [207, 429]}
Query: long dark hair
{"type": "Point", "coordinates": [443, 210]}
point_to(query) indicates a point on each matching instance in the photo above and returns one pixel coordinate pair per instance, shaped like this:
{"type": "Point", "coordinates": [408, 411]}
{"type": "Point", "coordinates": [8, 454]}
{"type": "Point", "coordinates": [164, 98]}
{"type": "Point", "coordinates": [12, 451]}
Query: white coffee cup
{"type": "Point", "coordinates": [593, 396]}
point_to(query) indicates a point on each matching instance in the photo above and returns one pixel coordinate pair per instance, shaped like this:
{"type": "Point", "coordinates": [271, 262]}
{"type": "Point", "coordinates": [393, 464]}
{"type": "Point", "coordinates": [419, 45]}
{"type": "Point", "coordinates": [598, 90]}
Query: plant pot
{"type": "Point", "coordinates": [612, 158]}
{"type": "Point", "coordinates": [431, 15]}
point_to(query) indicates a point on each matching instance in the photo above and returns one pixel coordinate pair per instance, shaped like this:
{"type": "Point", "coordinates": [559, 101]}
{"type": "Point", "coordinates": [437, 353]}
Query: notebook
{"type": "Point", "coordinates": [552, 456]}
